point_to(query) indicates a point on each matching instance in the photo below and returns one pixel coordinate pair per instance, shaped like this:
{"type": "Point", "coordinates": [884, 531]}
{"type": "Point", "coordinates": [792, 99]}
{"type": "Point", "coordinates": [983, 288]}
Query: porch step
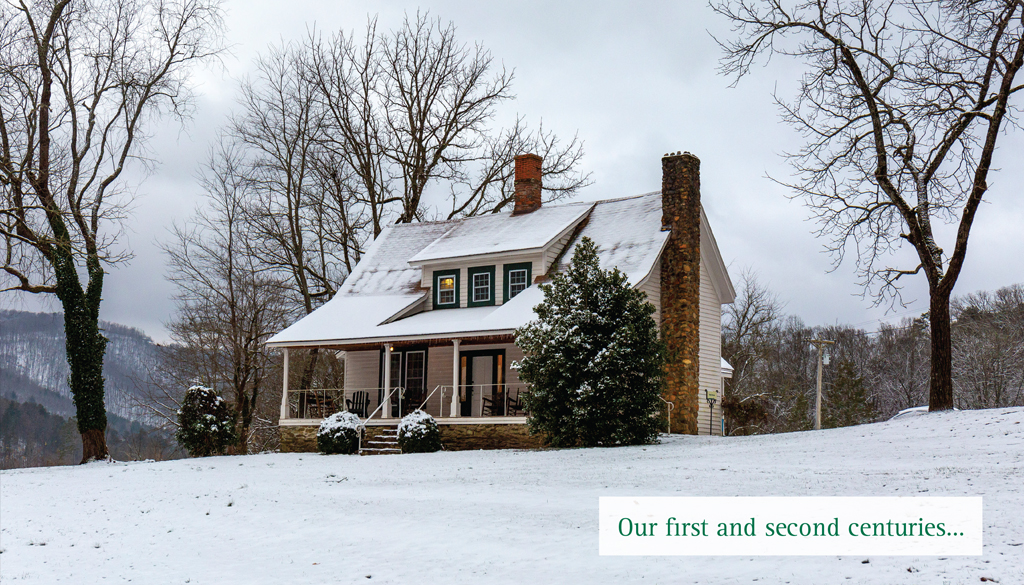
{"type": "Point", "coordinates": [383, 451]}
{"type": "Point", "coordinates": [385, 443]}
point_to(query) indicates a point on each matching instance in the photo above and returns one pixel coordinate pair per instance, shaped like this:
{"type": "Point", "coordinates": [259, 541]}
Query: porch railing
{"type": "Point", "coordinates": [317, 403]}
{"type": "Point", "coordinates": [470, 400]}
{"type": "Point", "coordinates": [481, 400]}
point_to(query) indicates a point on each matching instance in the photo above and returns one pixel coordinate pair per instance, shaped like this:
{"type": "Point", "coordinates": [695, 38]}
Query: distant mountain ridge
{"type": "Point", "coordinates": [34, 367]}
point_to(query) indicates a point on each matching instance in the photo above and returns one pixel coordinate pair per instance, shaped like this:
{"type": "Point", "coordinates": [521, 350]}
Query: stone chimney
{"type": "Point", "coordinates": [528, 184]}
{"type": "Point", "coordinates": [680, 287]}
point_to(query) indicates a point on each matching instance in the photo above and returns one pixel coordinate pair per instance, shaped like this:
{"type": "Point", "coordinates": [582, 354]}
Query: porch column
{"type": "Point", "coordinates": [284, 388]}
{"type": "Point", "coordinates": [386, 409]}
{"type": "Point", "coordinates": [455, 378]}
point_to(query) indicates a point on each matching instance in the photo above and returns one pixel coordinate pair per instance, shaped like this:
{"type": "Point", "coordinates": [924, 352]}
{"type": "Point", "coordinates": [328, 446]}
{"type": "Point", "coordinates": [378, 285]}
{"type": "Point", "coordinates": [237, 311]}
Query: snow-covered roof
{"type": "Point", "coordinates": [627, 233]}
{"type": "Point", "coordinates": [502, 232]}
{"type": "Point", "coordinates": [344, 316]}
{"type": "Point", "coordinates": [384, 269]}
{"type": "Point", "coordinates": [363, 319]}
{"type": "Point", "coordinates": [726, 369]}
{"type": "Point", "coordinates": [383, 299]}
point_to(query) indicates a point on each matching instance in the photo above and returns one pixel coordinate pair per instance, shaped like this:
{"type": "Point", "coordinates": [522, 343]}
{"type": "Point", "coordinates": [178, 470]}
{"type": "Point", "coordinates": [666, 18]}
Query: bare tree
{"type": "Point", "coordinates": [902, 106]}
{"type": "Point", "coordinates": [413, 108]}
{"type": "Point", "coordinates": [79, 81]}
{"type": "Point", "coordinates": [900, 365]}
{"type": "Point", "coordinates": [229, 304]}
{"type": "Point", "coordinates": [988, 348]}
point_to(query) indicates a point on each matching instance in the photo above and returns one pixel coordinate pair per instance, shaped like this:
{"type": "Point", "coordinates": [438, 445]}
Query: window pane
{"type": "Point", "coordinates": [516, 282]}
{"type": "Point", "coordinates": [446, 290]}
{"type": "Point", "coordinates": [481, 287]}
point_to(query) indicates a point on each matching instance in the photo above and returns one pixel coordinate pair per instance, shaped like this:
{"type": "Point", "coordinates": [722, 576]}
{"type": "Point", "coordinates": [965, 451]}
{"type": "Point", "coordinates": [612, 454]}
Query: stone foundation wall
{"type": "Point", "coordinates": [298, 439]}
{"type": "Point", "coordinates": [468, 437]}
{"type": "Point", "coordinates": [453, 437]}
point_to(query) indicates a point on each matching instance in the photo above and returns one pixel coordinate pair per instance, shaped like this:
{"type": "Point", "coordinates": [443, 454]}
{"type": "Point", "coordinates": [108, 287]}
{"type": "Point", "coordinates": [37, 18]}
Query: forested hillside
{"type": "Point", "coordinates": [33, 364]}
{"type": "Point", "coordinates": [37, 425]}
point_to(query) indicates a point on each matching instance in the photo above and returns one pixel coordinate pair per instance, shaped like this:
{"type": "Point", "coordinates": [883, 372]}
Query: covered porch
{"type": "Point", "coordinates": [458, 381]}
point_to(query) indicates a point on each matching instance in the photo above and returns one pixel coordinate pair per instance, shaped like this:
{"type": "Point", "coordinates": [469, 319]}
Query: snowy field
{"type": "Point", "coordinates": [497, 516]}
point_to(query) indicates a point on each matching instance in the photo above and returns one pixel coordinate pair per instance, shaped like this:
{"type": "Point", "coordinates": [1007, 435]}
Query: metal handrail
{"type": "Point", "coordinates": [362, 426]}
{"type": "Point", "coordinates": [668, 418]}
{"type": "Point", "coordinates": [422, 404]}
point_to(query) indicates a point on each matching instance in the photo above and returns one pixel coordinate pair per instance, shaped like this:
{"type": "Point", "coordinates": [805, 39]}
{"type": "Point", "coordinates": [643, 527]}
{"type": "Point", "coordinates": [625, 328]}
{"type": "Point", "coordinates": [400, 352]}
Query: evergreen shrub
{"type": "Point", "coordinates": [338, 434]}
{"type": "Point", "coordinates": [206, 423]}
{"type": "Point", "coordinates": [593, 359]}
{"type": "Point", "coordinates": [418, 433]}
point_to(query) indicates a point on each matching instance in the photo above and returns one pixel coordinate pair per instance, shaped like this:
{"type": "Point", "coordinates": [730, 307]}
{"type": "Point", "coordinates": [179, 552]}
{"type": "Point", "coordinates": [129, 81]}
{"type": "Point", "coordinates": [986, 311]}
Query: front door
{"type": "Point", "coordinates": [481, 392]}
{"type": "Point", "coordinates": [408, 373]}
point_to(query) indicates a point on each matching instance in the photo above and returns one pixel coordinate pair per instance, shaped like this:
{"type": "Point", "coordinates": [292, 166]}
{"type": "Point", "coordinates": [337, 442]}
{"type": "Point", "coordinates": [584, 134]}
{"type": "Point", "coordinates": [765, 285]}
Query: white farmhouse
{"type": "Point", "coordinates": [426, 319]}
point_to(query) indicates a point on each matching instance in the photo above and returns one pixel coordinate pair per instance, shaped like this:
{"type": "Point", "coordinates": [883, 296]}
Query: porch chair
{"type": "Point", "coordinates": [515, 405]}
{"type": "Point", "coordinates": [359, 403]}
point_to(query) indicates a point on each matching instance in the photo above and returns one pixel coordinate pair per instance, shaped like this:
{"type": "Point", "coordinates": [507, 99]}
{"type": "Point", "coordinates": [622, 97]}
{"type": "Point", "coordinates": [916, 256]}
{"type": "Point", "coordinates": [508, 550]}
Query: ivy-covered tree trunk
{"type": "Point", "coordinates": [85, 347]}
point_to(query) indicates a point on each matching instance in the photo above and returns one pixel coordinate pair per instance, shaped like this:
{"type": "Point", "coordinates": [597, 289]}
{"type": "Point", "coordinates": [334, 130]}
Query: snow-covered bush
{"type": "Point", "coordinates": [338, 433]}
{"type": "Point", "coordinates": [593, 358]}
{"type": "Point", "coordinates": [418, 433]}
{"type": "Point", "coordinates": [206, 423]}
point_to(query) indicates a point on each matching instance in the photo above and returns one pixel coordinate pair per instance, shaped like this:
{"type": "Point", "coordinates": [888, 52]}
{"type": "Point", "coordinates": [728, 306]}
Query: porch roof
{"type": "Point", "coordinates": [350, 320]}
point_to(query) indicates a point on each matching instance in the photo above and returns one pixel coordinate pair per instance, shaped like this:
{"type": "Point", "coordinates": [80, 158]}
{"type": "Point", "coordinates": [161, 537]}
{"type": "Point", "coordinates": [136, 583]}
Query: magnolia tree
{"type": "Point", "coordinates": [593, 358]}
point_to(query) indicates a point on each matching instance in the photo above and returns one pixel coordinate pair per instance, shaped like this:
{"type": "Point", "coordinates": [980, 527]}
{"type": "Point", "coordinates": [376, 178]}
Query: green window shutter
{"type": "Point", "coordinates": [518, 278]}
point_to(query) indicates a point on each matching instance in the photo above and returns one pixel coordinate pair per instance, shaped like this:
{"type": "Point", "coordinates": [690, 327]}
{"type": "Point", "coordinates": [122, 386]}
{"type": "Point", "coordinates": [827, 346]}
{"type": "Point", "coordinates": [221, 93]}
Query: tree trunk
{"type": "Point", "coordinates": [85, 346]}
{"type": "Point", "coordinates": [940, 396]}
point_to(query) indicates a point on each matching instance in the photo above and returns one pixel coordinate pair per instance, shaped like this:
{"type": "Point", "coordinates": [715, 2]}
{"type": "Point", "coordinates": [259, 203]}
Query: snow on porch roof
{"type": "Point", "coordinates": [361, 319]}
{"type": "Point", "coordinates": [503, 232]}
{"type": "Point", "coordinates": [344, 316]}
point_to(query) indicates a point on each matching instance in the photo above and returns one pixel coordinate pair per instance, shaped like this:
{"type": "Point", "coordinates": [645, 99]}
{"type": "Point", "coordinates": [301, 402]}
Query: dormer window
{"type": "Point", "coordinates": [481, 287]}
{"type": "Point", "coordinates": [446, 289]}
{"type": "Point", "coordinates": [481, 283]}
{"type": "Point", "coordinates": [517, 279]}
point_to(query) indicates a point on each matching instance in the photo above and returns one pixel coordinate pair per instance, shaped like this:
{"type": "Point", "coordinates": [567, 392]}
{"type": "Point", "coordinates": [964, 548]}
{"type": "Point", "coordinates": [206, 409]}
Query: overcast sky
{"type": "Point", "coordinates": [635, 81]}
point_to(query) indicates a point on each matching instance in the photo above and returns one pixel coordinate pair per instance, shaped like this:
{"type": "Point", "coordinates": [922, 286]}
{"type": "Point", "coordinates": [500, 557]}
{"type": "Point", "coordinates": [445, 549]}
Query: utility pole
{"type": "Point", "coordinates": [819, 343]}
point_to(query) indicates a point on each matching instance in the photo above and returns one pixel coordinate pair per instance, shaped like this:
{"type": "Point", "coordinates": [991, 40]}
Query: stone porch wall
{"type": "Point", "coordinates": [302, 439]}
{"type": "Point", "coordinates": [468, 437]}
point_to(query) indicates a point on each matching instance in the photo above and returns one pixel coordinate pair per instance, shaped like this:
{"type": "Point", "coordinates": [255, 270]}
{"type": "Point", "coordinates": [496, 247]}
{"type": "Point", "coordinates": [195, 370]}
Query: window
{"type": "Point", "coordinates": [481, 282]}
{"type": "Point", "coordinates": [446, 289]}
{"type": "Point", "coordinates": [516, 282]}
{"type": "Point", "coordinates": [517, 279]}
{"type": "Point", "coordinates": [481, 287]}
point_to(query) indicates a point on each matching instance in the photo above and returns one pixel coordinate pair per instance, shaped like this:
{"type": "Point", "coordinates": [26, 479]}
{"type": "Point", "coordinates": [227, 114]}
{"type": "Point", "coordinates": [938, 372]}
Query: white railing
{"type": "Point", "coordinates": [486, 400]}
{"type": "Point", "coordinates": [318, 403]}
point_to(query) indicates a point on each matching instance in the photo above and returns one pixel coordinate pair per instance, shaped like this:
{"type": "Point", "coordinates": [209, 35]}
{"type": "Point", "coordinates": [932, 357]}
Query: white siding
{"type": "Point", "coordinates": [710, 377]}
{"type": "Point", "coordinates": [653, 289]}
{"type": "Point", "coordinates": [362, 370]}
{"type": "Point", "coordinates": [551, 253]}
{"type": "Point", "coordinates": [427, 277]}
{"type": "Point", "coordinates": [439, 373]}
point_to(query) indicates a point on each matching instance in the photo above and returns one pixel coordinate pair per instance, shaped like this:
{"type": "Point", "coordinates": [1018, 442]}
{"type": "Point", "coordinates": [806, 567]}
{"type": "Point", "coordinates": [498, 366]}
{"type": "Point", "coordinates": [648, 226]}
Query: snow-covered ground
{"type": "Point", "coordinates": [497, 516]}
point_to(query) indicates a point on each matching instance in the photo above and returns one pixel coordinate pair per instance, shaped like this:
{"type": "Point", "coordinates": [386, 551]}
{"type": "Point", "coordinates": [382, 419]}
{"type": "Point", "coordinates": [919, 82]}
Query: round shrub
{"type": "Point", "coordinates": [206, 424]}
{"type": "Point", "coordinates": [338, 434]}
{"type": "Point", "coordinates": [418, 433]}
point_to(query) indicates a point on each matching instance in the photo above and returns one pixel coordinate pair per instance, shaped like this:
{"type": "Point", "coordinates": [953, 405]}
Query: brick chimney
{"type": "Point", "coordinates": [527, 184]}
{"type": "Point", "coordinates": [680, 287]}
